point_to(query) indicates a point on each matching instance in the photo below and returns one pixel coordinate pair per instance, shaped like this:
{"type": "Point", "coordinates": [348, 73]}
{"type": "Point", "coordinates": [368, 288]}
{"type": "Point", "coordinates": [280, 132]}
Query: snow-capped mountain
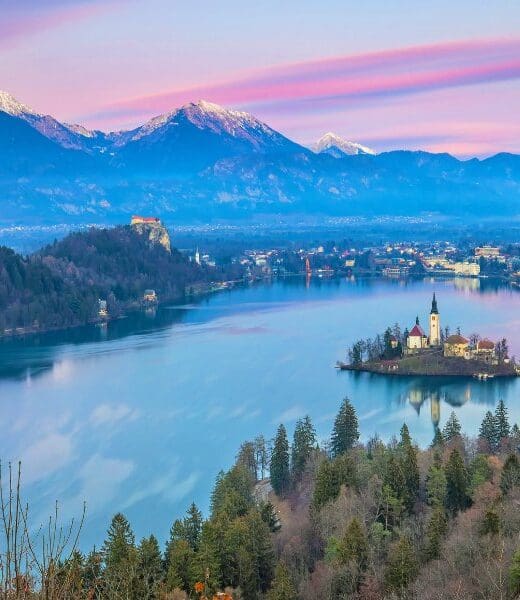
{"type": "Point", "coordinates": [202, 161]}
{"type": "Point", "coordinates": [195, 136]}
{"type": "Point", "coordinates": [336, 146]}
{"type": "Point", "coordinates": [67, 136]}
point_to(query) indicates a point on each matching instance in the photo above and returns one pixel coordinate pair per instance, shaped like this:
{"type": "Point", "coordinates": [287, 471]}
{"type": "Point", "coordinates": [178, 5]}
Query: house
{"type": "Point", "coordinates": [150, 296]}
{"type": "Point", "coordinates": [102, 309]}
{"type": "Point", "coordinates": [456, 345]}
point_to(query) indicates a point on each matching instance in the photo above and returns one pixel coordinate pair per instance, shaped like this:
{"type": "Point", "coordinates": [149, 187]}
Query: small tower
{"type": "Point", "coordinates": [197, 256]}
{"type": "Point", "coordinates": [435, 324]}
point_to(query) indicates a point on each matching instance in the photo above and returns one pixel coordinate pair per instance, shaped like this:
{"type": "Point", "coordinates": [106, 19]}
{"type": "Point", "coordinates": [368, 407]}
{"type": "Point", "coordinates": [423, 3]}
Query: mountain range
{"type": "Point", "coordinates": [204, 162]}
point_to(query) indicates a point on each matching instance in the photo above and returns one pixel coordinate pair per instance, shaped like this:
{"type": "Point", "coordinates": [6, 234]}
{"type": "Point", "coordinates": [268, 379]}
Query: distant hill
{"type": "Point", "coordinates": [60, 285]}
{"type": "Point", "coordinates": [204, 162]}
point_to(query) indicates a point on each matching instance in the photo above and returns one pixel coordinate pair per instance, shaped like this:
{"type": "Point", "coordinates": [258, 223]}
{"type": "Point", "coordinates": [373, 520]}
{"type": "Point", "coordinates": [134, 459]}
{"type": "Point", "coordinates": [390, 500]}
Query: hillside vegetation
{"type": "Point", "coordinates": [343, 520]}
{"type": "Point", "coordinates": [60, 285]}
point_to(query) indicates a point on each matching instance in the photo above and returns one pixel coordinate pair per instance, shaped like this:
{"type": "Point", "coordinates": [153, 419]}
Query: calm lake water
{"type": "Point", "coordinates": [139, 417]}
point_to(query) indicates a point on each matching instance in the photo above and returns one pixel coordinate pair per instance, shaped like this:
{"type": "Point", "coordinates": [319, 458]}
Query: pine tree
{"type": "Point", "coordinates": [402, 566]}
{"type": "Point", "coordinates": [438, 440]}
{"type": "Point", "coordinates": [395, 478]}
{"type": "Point", "coordinates": [502, 421]}
{"type": "Point", "coordinates": [120, 542]}
{"type": "Point", "coordinates": [149, 568]}
{"type": "Point", "coordinates": [436, 530]}
{"type": "Point", "coordinates": [120, 556]}
{"type": "Point", "coordinates": [510, 477]}
{"type": "Point", "coordinates": [247, 458]}
{"type": "Point", "coordinates": [283, 587]}
{"type": "Point", "coordinates": [345, 433]}
{"type": "Point", "coordinates": [490, 523]}
{"type": "Point", "coordinates": [456, 483]}
{"type": "Point", "coordinates": [193, 526]}
{"type": "Point", "coordinates": [304, 442]}
{"type": "Point", "coordinates": [410, 467]}
{"type": "Point", "coordinates": [279, 468]}
{"type": "Point", "coordinates": [181, 566]}
{"type": "Point", "coordinates": [436, 483]}
{"type": "Point", "coordinates": [452, 428]}
{"type": "Point", "coordinates": [514, 575]}
{"type": "Point", "coordinates": [488, 432]}
{"type": "Point", "coordinates": [353, 546]}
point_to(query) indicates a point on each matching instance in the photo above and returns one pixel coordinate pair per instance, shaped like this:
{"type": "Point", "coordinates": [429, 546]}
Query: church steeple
{"type": "Point", "coordinates": [417, 320]}
{"type": "Point", "coordinates": [435, 324]}
{"type": "Point", "coordinates": [434, 310]}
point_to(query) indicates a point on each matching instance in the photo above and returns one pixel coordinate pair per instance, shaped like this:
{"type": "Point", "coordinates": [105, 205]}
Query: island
{"type": "Point", "coordinates": [440, 353]}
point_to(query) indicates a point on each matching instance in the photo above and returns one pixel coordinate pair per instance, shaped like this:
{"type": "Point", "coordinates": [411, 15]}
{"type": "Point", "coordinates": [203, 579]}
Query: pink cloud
{"type": "Point", "coordinates": [20, 21]}
{"type": "Point", "coordinates": [345, 80]}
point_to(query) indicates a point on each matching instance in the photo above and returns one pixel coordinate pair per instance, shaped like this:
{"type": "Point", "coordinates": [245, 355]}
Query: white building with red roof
{"type": "Point", "coordinates": [417, 339]}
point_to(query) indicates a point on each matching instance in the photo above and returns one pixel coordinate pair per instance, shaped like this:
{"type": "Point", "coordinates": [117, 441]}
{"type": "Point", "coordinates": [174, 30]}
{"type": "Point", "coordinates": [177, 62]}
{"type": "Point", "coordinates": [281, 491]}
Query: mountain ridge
{"type": "Point", "coordinates": [205, 162]}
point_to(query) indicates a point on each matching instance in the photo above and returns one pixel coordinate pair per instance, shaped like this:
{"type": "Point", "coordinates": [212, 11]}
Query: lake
{"type": "Point", "coordinates": [140, 416]}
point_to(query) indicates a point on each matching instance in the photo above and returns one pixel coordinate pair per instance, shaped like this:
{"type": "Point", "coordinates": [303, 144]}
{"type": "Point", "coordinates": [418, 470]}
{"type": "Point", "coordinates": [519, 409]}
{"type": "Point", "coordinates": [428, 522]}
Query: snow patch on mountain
{"type": "Point", "coordinates": [11, 106]}
{"type": "Point", "coordinates": [337, 146]}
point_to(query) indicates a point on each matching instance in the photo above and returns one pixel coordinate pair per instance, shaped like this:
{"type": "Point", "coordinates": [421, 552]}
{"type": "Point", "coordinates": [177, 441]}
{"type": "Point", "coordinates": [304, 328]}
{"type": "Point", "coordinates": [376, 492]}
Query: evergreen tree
{"type": "Point", "coordinates": [436, 484]}
{"type": "Point", "coordinates": [149, 568]}
{"type": "Point", "coordinates": [269, 516]}
{"type": "Point", "coordinates": [304, 442]}
{"type": "Point", "coordinates": [193, 526]}
{"type": "Point", "coordinates": [402, 566]}
{"type": "Point", "coordinates": [490, 523]}
{"type": "Point", "coordinates": [410, 467]}
{"type": "Point", "coordinates": [435, 531]}
{"type": "Point", "coordinates": [488, 432]}
{"type": "Point", "coordinates": [514, 575]}
{"type": "Point", "coordinates": [93, 573]}
{"type": "Point", "coordinates": [345, 433]}
{"type": "Point", "coordinates": [438, 440]}
{"type": "Point", "coordinates": [396, 479]}
{"type": "Point", "coordinates": [120, 542]}
{"type": "Point", "coordinates": [279, 468]}
{"type": "Point", "coordinates": [283, 587]}
{"type": "Point", "coordinates": [510, 477]}
{"type": "Point", "coordinates": [331, 475]}
{"type": "Point", "coordinates": [232, 494]}
{"type": "Point", "coordinates": [452, 428]}
{"type": "Point", "coordinates": [181, 566]}
{"type": "Point", "coordinates": [353, 546]}
{"type": "Point", "coordinates": [247, 458]}
{"type": "Point", "coordinates": [502, 421]}
{"type": "Point", "coordinates": [120, 556]}
{"type": "Point", "coordinates": [479, 472]}
{"type": "Point", "coordinates": [456, 483]}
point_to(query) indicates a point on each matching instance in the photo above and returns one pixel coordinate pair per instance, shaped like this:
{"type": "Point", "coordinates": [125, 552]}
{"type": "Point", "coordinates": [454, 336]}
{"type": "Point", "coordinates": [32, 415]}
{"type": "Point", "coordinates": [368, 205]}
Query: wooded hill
{"type": "Point", "coordinates": [60, 285]}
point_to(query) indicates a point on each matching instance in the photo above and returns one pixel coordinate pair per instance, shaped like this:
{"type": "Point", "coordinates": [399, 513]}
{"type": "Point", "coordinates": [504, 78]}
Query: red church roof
{"type": "Point", "coordinates": [417, 331]}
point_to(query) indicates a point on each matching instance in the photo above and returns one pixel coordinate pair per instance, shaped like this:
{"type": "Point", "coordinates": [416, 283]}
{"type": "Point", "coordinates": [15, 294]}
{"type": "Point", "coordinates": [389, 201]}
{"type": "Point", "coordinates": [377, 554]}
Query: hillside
{"type": "Point", "coordinates": [371, 521]}
{"type": "Point", "coordinates": [205, 162]}
{"type": "Point", "coordinates": [60, 285]}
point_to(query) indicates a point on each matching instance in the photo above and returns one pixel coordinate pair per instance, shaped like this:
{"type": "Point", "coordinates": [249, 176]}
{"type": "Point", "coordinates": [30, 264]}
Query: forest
{"type": "Point", "coordinates": [306, 519]}
{"type": "Point", "coordinates": [59, 286]}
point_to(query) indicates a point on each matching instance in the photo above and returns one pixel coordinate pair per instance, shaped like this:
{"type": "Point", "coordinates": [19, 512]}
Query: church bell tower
{"type": "Point", "coordinates": [435, 325]}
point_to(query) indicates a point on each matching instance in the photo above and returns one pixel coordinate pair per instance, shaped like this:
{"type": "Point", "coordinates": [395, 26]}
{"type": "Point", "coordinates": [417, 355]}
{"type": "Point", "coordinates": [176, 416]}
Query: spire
{"type": "Point", "coordinates": [434, 310]}
{"type": "Point", "coordinates": [417, 320]}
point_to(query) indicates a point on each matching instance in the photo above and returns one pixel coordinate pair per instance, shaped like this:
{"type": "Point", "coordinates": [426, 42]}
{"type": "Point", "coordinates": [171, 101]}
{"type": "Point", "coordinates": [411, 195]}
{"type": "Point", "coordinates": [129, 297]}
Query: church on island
{"type": "Point", "coordinates": [455, 345]}
{"type": "Point", "coordinates": [417, 338]}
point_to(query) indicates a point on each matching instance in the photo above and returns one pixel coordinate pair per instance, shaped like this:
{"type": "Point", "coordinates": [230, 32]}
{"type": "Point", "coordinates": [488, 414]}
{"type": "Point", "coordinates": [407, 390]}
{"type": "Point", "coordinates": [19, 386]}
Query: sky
{"type": "Point", "coordinates": [441, 76]}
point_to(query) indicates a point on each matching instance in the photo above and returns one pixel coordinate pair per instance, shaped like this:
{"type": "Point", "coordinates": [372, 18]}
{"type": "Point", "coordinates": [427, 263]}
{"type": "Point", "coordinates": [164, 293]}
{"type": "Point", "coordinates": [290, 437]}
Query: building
{"type": "Point", "coordinates": [487, 251]}
{"type": "Point", "coordinates": [466, 268]}
{"type": "Point", "coordinates": [456, 345]}
{"type": "Point", "coordinates": [150, 296]}
{"type": "Point", "coordinates": [417, 339]}
{"type": "Point", "coordinates": [102, 309]}
{"type": "Point", "coordinates": [197, 256]}
{"type": "Point", "coordinates": [138, 220]}
{"type": "Point", "coordinates": [435, 324]}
